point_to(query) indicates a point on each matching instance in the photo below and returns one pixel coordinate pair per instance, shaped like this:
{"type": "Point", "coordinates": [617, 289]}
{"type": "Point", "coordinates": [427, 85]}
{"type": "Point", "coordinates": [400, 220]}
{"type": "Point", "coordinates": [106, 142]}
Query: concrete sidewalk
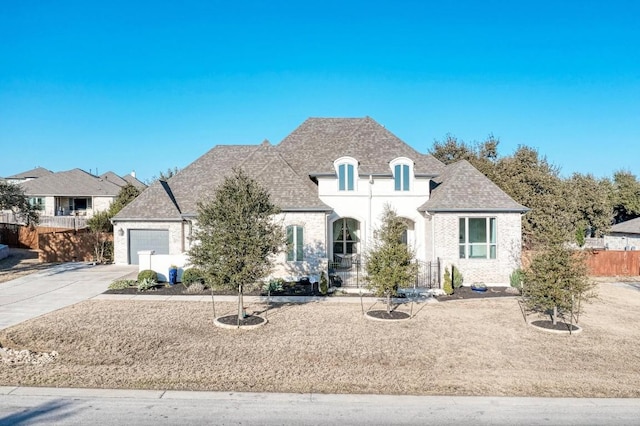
{"type": "Point", "coordinates": [55, 288]}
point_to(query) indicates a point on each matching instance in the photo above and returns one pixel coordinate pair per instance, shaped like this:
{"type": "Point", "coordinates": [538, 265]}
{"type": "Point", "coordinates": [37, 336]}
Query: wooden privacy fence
{"type": "Point", "coordinates": [605, 263]}
{"type": "Point", "coordinates": [53, 244]}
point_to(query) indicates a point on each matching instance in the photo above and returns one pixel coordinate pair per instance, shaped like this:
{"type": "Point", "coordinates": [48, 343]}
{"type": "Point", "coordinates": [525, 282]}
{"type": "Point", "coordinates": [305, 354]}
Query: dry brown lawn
{"type": "Point", "coordinates": [473, 347]}
{"type": "Point", "coordinates": [20, 262]}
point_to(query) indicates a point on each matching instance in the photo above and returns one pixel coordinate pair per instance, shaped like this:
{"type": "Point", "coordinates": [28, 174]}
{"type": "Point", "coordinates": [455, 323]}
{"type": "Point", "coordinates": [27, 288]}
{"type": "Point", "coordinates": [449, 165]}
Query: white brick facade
{"type": "Point", "coordinates": [489, 271]}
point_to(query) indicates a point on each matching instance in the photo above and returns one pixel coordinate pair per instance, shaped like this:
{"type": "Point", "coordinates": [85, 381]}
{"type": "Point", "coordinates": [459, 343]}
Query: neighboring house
{"type": "Point", "coordinates": [124, 180]}
{"type": "Point", "coordinates": [624, 236]}
{"type": "Point", "coordinates": [332, 177]}
{"type": "Point", "coordinates": [36, 173]}
{"type": "Point", "coordinates": [71, 193]}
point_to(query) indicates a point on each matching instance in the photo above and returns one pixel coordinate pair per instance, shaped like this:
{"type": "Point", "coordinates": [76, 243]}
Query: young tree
{"type": "Point", "coordinates": [13, 198]}
{"type": "Point", "coordinates": [236, 234]}
{"type": "Point", "coordinates": [557, 281]}
{"type": "Point", "coordinates": [100, 225]}
{"type": "Point", "coordinates": [389, 264]}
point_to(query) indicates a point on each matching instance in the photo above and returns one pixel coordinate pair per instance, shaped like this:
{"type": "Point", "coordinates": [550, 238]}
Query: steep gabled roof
{"type": "Point", "coordinates": [318, 142]}
{"type": "Point", "coordinates": [72, 183]}
{"type": "Point", "coordinates": [631, 226]}
{"type": "Point", "coordinates": [463, 188]}
{"type": "Point", "coordinates": [156, 202]}
{"type": "Point", "coordinates": [38, 172]}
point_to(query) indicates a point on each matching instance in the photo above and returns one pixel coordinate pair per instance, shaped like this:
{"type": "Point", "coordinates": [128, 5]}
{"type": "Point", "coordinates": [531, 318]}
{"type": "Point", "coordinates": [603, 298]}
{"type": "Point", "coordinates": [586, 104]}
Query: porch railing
{"type": "Point", "coordinates": [67, 222]}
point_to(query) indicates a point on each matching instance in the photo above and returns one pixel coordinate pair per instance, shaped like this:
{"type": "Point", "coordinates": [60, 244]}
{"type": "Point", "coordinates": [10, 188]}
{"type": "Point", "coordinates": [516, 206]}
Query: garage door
{"type": "Point", "coordinates": [147, 239]}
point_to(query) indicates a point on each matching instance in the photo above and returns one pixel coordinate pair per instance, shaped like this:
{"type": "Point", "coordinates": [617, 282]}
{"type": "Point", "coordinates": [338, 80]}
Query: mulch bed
{"type": "Point", "coordinates": [164, 289]}
{"type": "Point", "coordinates": [233, 320]}
{"type": "Point", "coordinates": [467, 293]}
{"type": "Point", "coordinates": [383, 315]}
{"type": "Point", "coordinates": [559, 326]}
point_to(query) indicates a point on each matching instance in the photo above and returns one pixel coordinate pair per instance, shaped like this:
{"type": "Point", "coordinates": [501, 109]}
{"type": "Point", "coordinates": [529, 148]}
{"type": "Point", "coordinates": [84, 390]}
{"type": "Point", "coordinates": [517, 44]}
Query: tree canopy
{"type": "Point", "coordinates": [237, 234]}
{"type": "Point", "coordinates": [13, 198]}
{"type": "Point", "coordinates": [571, 208]}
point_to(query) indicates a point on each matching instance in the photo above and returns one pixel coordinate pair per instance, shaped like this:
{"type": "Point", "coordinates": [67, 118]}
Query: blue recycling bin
{"type": "Point", "coordinates": [173, 276]}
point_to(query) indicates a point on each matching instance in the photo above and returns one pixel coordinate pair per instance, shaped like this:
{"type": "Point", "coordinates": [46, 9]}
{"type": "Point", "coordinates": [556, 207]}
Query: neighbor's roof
{"type": "Point", "coordinates": [135, 182]}
{"type": "Point", "coordinates": [33, 173]}
{"type": "Point", "coordinates": [123, 180]}
{"type": "Point", "coordinates": [318, 142]}
{"type": "Point", "coordinates": [463, 188]}
{"type": "Point", "coordinates": [113, 178]}
{"type": "Point", "coordinates": [631, 226]}
{"type": "Point", "coordinates": [73, 183]}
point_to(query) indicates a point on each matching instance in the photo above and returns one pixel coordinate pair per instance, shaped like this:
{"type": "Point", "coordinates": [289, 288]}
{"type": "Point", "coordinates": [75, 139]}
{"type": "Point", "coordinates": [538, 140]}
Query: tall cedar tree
{"type": "Point", "coordinates": [236, 235]}
{"type": "Point", "coordinates": [557, 281]}
{"type": "Point", "coordinates": [390, 263]}
{"type": "Point", "coordinates": [12, 198]}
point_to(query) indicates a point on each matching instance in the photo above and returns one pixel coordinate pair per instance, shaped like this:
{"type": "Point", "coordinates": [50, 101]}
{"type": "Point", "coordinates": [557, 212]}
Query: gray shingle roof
{"type": "Point", "coordinates": [123, 180]}
{"type": "Point", "coordinates": [113, 178]}
{"type": "Point", "coordinates": [33, 173]}
{"type": "Point", "coordinates": [285, 170]}
{"type": "Point", "coordinates": [463, 188]}
{"type": "Point", "coordinates": [135, 182]}
{"type": "Point", "coordinates": [198, 182]}
{"type": "Point", "coordinates": [631, 226]}
{"type": "Point", "coordinates": [72, 183]}
{"type": "Point", "coordinates": [318, 142]}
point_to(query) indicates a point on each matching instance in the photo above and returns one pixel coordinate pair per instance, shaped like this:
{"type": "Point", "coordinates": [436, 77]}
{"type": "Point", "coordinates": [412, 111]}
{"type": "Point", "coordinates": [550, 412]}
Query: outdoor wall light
{"type": "Point", "coordinates": [121, 232]}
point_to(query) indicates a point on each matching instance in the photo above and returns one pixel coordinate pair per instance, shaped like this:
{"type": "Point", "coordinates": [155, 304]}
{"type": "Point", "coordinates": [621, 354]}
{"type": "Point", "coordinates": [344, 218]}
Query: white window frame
{"type": "Point", "coordinates": [487, 249]}
{"type": "Point", "coordinates": [347, 174]}
{"type": "Point", "coordinates": [295, 244]}
{"type": "Point", "coordinates": [402, 171]}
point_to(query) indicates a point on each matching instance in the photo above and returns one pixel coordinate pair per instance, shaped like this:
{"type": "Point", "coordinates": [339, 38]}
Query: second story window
{"type": "Point", "coordinates": [347, 172]}
{"type": "Point", "coordinates": [401, 177]}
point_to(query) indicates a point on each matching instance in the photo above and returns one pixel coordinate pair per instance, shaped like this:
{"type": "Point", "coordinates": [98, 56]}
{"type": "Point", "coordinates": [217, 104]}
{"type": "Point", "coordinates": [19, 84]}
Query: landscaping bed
{"type": "Point", "coordinates": [164, 289]}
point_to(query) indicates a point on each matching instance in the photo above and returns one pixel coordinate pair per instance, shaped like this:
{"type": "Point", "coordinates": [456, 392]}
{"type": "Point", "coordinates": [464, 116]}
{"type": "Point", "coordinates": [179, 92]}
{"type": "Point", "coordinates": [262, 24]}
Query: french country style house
{"type": "Point", "coordinates": [331, 178]}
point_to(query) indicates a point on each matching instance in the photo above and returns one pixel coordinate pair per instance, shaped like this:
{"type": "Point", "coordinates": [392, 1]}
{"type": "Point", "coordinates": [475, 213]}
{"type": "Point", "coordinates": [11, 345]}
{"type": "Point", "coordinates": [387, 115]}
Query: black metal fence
{"type": "Point", "coordinates": [351, 274]}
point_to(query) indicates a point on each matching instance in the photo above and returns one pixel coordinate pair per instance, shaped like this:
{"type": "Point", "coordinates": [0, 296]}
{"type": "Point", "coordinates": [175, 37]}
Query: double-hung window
{"type": "Point", "coordinates": [346, 177]}
{"type": "Point", "coordinates": [295, 237]}
{"type": "Point", "coordinates": [477, 237]}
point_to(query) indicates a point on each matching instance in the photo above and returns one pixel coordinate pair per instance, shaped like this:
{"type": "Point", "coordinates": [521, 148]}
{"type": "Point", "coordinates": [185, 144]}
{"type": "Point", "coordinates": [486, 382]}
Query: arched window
{"type": "Point", "coordinates": [295, 240]}
{"type": "Point", "coordinates": [347, 171]}
{"type": "Point", "coordinates": [346, 236]}
{"type": "Point", "coordinates": [402, 171]}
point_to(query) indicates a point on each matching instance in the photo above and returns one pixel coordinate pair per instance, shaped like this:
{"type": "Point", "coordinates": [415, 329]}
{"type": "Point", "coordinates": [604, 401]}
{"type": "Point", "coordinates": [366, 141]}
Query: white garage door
{"type": "Point", "coordinates": [147, 239]}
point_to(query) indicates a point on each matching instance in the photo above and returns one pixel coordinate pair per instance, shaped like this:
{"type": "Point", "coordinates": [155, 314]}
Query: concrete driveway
{"type": "Point", "coordinates": [54, 288]}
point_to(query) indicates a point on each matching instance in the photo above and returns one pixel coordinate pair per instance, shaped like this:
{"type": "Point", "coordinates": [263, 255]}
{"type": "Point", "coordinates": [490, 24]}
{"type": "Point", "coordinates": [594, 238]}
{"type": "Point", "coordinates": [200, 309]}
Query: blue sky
{"type": "Point", "coordinates": [146, 86]}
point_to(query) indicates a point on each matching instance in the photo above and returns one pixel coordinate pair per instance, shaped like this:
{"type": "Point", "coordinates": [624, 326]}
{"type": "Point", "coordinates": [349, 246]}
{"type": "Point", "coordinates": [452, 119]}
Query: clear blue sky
{"type": "Point", "coordinates": [123, 85]}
